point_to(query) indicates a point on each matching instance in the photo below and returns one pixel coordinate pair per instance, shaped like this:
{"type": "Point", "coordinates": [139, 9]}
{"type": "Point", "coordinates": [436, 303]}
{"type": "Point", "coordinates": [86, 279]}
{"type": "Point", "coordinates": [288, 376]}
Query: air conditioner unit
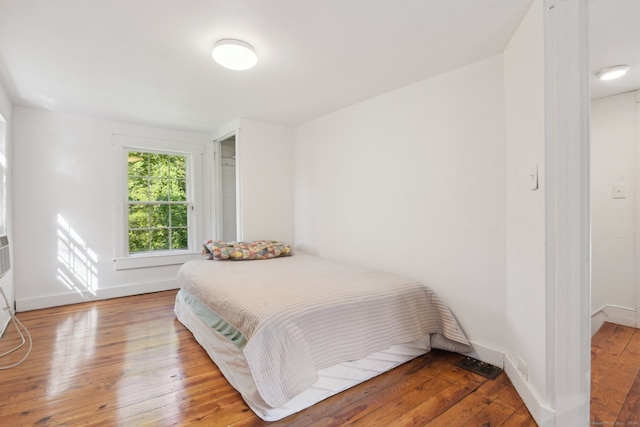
{"type": "Point", "coordinates": [5, 263]}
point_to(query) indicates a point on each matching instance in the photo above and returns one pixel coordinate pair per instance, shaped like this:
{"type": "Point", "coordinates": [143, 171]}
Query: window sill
{"type": "Point", "coordinates": [155, 260]}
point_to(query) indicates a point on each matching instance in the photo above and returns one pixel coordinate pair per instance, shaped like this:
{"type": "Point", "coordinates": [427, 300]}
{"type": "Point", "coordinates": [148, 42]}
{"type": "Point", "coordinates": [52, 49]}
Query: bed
{"type": "Point", "coordinates": [291, 331]}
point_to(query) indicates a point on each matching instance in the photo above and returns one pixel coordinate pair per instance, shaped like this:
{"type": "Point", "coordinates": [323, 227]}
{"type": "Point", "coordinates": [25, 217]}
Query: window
{"type": "Point", "coordinates": [157, 202]}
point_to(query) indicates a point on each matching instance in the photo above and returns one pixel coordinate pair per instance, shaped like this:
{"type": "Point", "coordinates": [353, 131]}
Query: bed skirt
{"type": "Point", "coordinates": [233, 365]}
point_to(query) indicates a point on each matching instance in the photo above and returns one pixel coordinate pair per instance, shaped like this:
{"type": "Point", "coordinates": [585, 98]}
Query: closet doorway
{"type": "Point", "coordinates": [226, 194]}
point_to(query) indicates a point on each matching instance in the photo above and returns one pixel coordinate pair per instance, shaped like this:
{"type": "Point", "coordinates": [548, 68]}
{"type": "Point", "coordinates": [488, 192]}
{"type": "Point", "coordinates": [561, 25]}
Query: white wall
{"type": "Point", "coordinates": [264, 160]}
{"type": "Point", "coordinates": [613, 162]}
{"type": "Point", "coordinates": [525, 208]}
{"type": "Point", "coordinates": [63, 167]}
{"type": "Point", "coordinates": [7, 282]}
{"type": "Point", "coordinates": [413, 182]}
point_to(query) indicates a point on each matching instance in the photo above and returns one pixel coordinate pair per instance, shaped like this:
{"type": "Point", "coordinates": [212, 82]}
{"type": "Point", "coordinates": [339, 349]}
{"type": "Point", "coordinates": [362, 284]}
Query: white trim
{"type": "Point", "coordinates": [216, 188]}
{"type": "Point", "coordinates": [624, 316]}
{"type": "Point", "coordinates": [154, 260]}
{"type": "Point", "coordinates": [239, 188]}
{"type": "Point", "coordinates": [7, 280]}
{"type": "Point", "coordinates": [156, 144]}
{"type": "Point", "coordinates": [227, 130]}
{"type": "Point", "coordinates": [542, 413]}
{"type": "Point", "coordinates": [35, 303]}
{"type": "Point", "coordinates": [487, 354]}
{"type": "Point", "coordinates": [4, 171]}
{"type": "Point", "coordinates": [194, 152]}
{"type": "Point", "coordinates": [637, 215]}
{"type": "Point", "coordinates": [567, 214]}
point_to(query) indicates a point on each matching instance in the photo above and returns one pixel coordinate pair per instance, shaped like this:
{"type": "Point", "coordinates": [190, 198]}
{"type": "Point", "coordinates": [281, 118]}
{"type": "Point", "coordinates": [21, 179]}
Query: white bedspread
{"type": "Point", "coordinates": [303, 313]}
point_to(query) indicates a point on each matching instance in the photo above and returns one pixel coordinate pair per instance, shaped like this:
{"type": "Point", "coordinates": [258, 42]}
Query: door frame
{"type": "Point", "coordinates": [216, 199]}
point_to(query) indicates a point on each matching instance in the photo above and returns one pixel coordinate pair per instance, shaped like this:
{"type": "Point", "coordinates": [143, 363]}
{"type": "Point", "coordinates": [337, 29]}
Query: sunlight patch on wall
{"type": "Point", "coordinates": [77, 263]}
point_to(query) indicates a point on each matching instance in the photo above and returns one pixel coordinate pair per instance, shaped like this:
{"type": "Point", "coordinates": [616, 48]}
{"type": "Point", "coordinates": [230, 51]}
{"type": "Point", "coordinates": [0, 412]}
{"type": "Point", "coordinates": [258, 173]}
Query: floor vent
{"type": "Point", "coordinates": [479, 367]}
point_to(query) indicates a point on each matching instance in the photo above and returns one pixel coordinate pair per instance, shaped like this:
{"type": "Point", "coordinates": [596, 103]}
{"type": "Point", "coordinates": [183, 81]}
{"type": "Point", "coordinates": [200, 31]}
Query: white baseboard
{"type": "Point", "coordinates": [35, 303]}
{"type": "Point", "coordinates": [487, 354]}
{"type": "Point", "coordinates": [541, 413]}
{"type": "Point", "coordinates": [614, 314]}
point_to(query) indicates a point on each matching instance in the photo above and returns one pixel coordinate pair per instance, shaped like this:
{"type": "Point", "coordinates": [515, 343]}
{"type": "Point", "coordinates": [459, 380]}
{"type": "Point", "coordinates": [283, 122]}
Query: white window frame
{"type": "Point", "coordinates": [3, 175]}
{"type": "Point", "coordinates": [122, 145]}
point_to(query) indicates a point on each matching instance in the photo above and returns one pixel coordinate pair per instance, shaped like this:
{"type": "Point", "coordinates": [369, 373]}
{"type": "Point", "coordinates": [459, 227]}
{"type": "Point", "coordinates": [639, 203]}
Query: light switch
{"type": "Point", "coordinates": [619, 191]}
{"type": "Point", "coordinates": [533, 178]}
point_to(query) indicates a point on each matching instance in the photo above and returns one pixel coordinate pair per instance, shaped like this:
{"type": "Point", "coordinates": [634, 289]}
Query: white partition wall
{"type": "Point", "coordinates": [567, 215]}
{"type": "Point", "coordinates": [6, 127]}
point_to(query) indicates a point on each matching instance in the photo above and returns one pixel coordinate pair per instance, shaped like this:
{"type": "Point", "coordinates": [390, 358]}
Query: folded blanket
{"type": "Point", "coordinates": [240, 251]}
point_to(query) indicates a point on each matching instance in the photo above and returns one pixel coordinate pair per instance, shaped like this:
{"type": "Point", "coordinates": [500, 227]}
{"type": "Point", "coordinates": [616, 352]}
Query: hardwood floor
{"type": "Point", "coordinates": [128, 362]}
{"type": "Point", "coordinates": [615, 376]}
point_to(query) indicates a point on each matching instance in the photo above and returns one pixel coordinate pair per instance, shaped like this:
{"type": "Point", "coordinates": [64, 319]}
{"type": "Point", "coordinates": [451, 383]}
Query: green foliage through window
{"type": "Point", "coordinates": [158, 203]}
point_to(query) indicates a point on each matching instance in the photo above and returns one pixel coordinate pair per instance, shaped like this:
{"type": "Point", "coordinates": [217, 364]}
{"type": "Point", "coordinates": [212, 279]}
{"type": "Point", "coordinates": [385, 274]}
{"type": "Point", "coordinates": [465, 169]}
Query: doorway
{"type": "Point", "coordinates": [226, 195]}
{"type": "Point", "coordinates": [615, 182]}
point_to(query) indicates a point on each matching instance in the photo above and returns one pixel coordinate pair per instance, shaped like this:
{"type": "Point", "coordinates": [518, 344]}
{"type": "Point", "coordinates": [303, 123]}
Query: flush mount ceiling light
{"type": "Point", "coordinates": [611, 73]}
{"type": "Point", "coordinates": [234, 54]}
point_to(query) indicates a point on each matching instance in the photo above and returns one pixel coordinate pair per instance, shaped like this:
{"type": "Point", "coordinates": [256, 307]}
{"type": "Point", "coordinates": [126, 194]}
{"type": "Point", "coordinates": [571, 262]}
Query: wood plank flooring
{"type": "Point", "coordinates": [128, 362]}
{"type": "Point", "coordinates": [615, 376]}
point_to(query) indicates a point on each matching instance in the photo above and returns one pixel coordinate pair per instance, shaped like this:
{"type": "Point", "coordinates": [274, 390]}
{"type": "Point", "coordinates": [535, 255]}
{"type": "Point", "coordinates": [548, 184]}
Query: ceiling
{"type": "Point", "coordinates": [149, 62]}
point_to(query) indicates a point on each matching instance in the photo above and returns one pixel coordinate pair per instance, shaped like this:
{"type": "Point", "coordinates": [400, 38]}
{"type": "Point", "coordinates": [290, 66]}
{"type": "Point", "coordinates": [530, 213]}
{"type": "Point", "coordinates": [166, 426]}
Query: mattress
{"type": "Point", "coordinates": [279, 328]}
{"type": "Point", "coordinates": [331, 381]}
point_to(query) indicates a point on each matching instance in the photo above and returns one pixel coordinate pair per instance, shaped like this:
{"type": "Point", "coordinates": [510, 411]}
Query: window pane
{"type": "Point", "coordinates": [156, 180]}
{"type": "Point", "coordinates": [159, 216]}
{"type": "Point", "coordinates": [178, 215]}
{"type": "Point", "coordinates": [179, 238]}
{"type": "Point", "coordinates": [138, 189]}
{"type": "Point", "coordinates": [158, 189]}
{"type": "Point", "coordinates": [178, 167]}
{"type": "Point", "coordinates": [137, 164]}
{"type": "Point", "coordinates": [179, 190]}
{"type": "Point", "coordinates": [138, 241]}
{"type": "Point", "coordinates": [160, 239]}
{"type": "Point", "coordinates": [138, 216]}
{"type": "Point", "coordinates": [159, 165]}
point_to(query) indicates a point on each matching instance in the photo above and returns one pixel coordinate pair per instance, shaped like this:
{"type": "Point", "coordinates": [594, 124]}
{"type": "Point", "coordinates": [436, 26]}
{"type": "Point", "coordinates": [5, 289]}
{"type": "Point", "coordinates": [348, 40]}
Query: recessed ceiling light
{"type": "Point", "coordinates": [234, 54]}
{"type": "Point", "coordinates": [611, 73]}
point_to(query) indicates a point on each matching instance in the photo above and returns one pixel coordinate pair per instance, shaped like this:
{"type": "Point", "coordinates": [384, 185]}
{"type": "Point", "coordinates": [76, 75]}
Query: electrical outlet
{"type": "Point", "coordinates": [619, 191]}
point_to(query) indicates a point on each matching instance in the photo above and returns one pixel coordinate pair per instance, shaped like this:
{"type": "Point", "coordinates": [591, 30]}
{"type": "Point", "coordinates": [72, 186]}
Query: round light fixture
{"type": "Point", "coordinates": [611, 73]}
{"type": "Point", "coordinates": [234, 54]}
